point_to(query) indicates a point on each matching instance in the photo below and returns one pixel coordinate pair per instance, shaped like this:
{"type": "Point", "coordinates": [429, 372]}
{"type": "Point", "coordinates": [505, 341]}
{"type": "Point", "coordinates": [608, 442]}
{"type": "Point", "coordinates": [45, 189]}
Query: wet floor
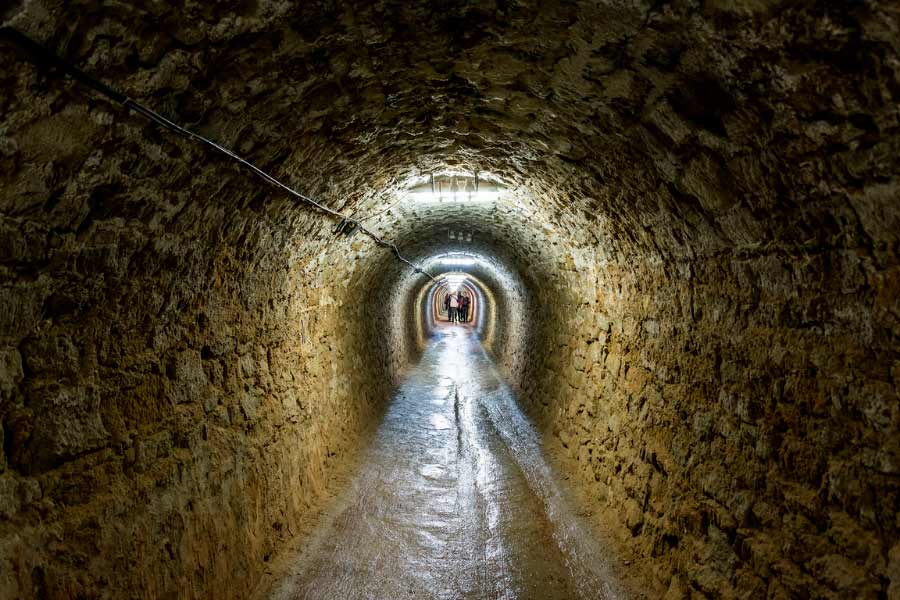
{"type": "Point", "coordinates": [452, 500]}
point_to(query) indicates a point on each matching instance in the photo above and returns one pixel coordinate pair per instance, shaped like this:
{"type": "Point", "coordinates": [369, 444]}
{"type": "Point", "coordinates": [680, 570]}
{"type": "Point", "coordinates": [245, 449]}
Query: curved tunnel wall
{"type": "Point", "coordinates": [708, 235]}
{"type": "Point", "coordinates": [483, 313]}
{"type": "Point", "coordinates": [502, 307]}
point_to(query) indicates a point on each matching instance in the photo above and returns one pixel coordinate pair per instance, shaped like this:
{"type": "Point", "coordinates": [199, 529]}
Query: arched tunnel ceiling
{"type": "Point", "coordinates": [669, 122]}
{"type": "Point", "coordinates": [494, 232]}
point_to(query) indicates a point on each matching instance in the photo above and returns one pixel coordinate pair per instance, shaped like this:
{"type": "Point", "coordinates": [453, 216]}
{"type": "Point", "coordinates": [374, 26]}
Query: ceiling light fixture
{"type": "Point", "coordinates": [458, 261]}
{"type": "Point", "coordinates": [455, 187]}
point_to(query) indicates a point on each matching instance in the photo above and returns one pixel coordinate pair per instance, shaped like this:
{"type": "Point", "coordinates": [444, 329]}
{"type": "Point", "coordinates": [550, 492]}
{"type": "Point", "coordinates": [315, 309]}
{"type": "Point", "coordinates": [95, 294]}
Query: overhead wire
{"type": "Point", "coordinates": [42, 55]}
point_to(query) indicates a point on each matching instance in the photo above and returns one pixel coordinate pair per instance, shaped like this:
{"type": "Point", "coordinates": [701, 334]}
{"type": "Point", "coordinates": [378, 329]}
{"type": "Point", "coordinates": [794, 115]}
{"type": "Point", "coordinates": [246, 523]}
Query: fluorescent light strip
{"type": "Point", "coordinates": [458, 262]}
{"type": "Point", "coordinates": [457, 197]}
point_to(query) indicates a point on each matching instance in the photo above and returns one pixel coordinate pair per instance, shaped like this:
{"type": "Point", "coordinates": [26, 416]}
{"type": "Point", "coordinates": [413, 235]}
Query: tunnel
{"type": "Point", "coordinates": [679, 221]}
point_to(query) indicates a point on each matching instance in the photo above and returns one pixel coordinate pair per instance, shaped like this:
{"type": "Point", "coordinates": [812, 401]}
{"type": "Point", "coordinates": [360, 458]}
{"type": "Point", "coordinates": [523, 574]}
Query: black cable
{"type": "Point", "coordinates": [42, 56]}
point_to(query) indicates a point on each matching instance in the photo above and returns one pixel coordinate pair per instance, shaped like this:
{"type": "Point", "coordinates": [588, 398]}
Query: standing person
{"type": "Point", "coordinates": [464, 308]}
{"type": "Point", "coordinates": [454, 308]}
{"type": "Point", "coordinates": [447, 305]}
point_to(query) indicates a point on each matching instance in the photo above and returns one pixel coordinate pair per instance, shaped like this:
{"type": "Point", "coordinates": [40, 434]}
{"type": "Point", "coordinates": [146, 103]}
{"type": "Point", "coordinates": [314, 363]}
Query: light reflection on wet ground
{"type": "Point", "coordinates": [452, 500]}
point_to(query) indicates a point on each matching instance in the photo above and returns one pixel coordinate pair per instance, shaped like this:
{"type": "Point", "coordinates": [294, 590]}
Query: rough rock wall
{"type": "Point", "coordinates": [724, 372]}
{"type": "Point", "coordinates": [167, 416]}
{"type": "Point", "coordinates": [176, 368]}
{"type": "Point", "coordinates": [731, 395]}
{"type": "Point", "coordinates": [741, 428]}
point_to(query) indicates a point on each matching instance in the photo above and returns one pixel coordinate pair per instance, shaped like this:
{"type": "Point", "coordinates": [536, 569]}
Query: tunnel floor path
{"type": "Point", "coordinates": [453, 499]}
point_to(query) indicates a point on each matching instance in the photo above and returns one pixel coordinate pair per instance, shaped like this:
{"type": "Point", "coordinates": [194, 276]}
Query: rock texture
{"type": "Point", "coordinates": [706, 243]}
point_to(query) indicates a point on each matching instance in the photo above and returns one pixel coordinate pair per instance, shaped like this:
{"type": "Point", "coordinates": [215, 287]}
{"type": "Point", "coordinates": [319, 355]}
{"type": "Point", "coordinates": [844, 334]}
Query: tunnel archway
{"type": "Point", "coordinates": [438, 311]}
{"type": "Point", "coordinates": [694, 282]}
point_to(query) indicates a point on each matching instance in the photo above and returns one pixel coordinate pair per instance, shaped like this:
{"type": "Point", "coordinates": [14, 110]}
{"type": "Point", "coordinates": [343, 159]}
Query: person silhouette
{"type": "Point", "coordinates": [454, 308]}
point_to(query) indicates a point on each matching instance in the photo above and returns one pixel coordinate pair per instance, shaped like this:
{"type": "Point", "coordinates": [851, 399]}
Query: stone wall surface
{"type": "Point", "coordinates": [704, 248]}
{"type": "Point", "coordinates": [749, 446]}
{"type": "Point", "coordinates": [177, 367]}
{"type": "Point", "coordinates": [161, 436]}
